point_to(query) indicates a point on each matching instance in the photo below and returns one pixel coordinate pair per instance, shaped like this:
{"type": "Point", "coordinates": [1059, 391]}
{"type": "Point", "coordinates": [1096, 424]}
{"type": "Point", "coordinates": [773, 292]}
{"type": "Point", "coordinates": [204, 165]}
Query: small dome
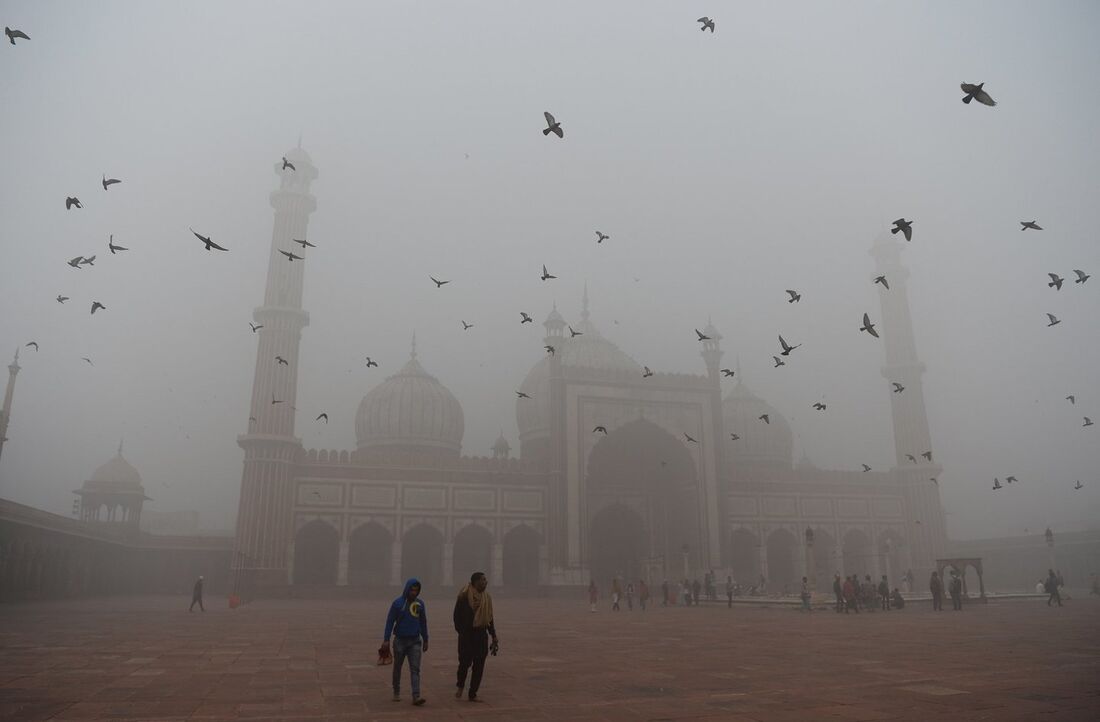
{"type": "Point", "coordinates": [501, 447]}
{"type": "Point", "coordinates": [115, 476]}
{"type": "Point", "coordinates": [411, 410]}
{"type": "Point", "coordinates": [761, 444]}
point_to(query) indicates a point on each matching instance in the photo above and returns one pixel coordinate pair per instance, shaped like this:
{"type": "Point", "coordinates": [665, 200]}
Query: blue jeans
{"type": "Point", "coordinates": [406, 647]}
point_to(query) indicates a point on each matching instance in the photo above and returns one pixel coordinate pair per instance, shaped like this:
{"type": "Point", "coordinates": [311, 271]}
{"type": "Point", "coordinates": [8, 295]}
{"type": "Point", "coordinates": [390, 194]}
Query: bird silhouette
{"type": "Point", "coordinates": [702, 336]}
{"type": "Point", "coordinates": [549, 350]}
{"type": "Point", "coordinates": [1088, 422]}
{"type": "Point", "coordinates": [112, 247]}
{"type": "Point", "coordinates": [97, 305]}
{"type": "Point", "coordinates": [303, 243]}
{"type": "Point", "coordinates": [1054, 321]}
{"type": "Point", "coordinates": [545, 275]}
{"type": "Point", "coordinates": [13, 34]}
{"type": "Point", "coordinates": [778, 362]}
{"type": "Point", "coordinates": [996, 484]}
{"type": "Point", "coordinates": [906, 228]}
{"type": "Point", "coordinates": [686, 436]}
{"type": "Point", "coordinates": [646, 373]}
{"type": "Point", "coordinates": [290, 256]}
{"type": "Point", "coordinates": [868, 326]}
{"type": "Point", "coordinates": [371, 362]}
{"type": "Point", "coordinates": [288, 164]}
{"type": "Point", "coordinates": [795, 296]}
{"type": "Point", "coordinates": [108, 182]}
{"type": "Point", "coordinates": [786, 347]}
{"type": "Point", "coordinates": [87, 261]}
{"type": "Point", "coordinates": [573, 334]}
{"type": "Point", "coordinates": [727, 373]}
{"type": "Point", "coordinates": [707, 24]}
{"type": "Point", "coordinates": [819, 406]}
{"type": "Point", "coordinates": [322, 416]}
{"type": "Point", "coordinates": [466, 326]}
{"type": "Point", "coordinates": [765, 418]}
{"type": "Point", "coordinates": [552, 126]}
{"type": "Point", "coordinates": [1077, 485]}
{"type": "Point", "coordinates": [206, 240]}
{"type": "Point", "coordinates": [898, 388]}
{"type": "Point", "coordinates": [525, 318]}
{"type": "Point", "coordinates": [1033, 225]}
{"type": "Point", "coordinates": [927, 455]}
{"type": "Point", "coordinates": [33, 343]}
{"type": "Point", "coordinates": [71, 201]}
{"type": "Point", "coordinates": [734, 437]}
{"type": "Point", "coordinates": [282, 361]}
{"type": "Point", "coordinates": [1010, 479]}
{"type": "Point", "coordinates": [866, 468]}
{"type": "Point", "coordinates": [85, 358]}
{"type": "Point", "coordinates": [601, 237]}
{"type": "Point", "coordinates": [600, 430]}
{"type": "Point", "coordinates": [62, 299]}
{"type": "Point", "coordinates": [911, 458]}
{"type": "Point", "coordinates": [75, 262]}
{"type": "Point", "coordinates": [975, 92]}
{"type": "Point", "coordinates": [934, 480]}
{"type": "Point", "coordinates": [1081, 276]}
{"type": "Point", "coordinates": [1055, 281]}
{"type": "Point", "coordinates": [255, 327]}
{"type": "Point", "coordinates": [1071, 398]}
{"type": "Point", "coordinates": [438, 283]}
{"type": "Point", "coordinates": [522, 395]}
{"type": "Point", "coordinates": [882, 280]}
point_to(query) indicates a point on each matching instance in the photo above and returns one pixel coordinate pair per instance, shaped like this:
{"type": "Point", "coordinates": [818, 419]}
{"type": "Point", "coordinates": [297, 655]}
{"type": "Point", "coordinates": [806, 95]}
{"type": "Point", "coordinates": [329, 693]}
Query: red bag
{"type": "Point", "coordinates": [234, 601]}
{"type": "Point", "coordinates": [384, 655]}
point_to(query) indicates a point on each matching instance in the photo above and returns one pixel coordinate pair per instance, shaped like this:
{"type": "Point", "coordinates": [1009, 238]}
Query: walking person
{"type": "Point", "coordinates": [729, 592]}
{"type": "Point", "coordinates": [473, 618]}
{"type": "Point", "coordinates": [630, 596]}
{"type": "Point", "coordinates": [643, 593]}
{"type": "Point", "coordinates": [695, 589]}
{"type": "Point", "coordinates": [1052, 588]}
{"type": "Point", "coordinates": [805, 595]}
{"type": "Point", "coordinates": [196, 596]}
{"type": "Point", "coordinates": [593, 595]}
{"type": "Point", "coordinates": [407, 622]}
{"type": "Point", "coordinates": [616, 592]}
{"type": "Point", "coordinates": [685, 592]}
{"type": "Point", "coordinates": [956, 590]}
{"type": "Point", "coordinates": [838, 590]}
{"type": "Point", "coordinates": [936, 587]}
{"type": "Point", "coordinates": [884, 593]}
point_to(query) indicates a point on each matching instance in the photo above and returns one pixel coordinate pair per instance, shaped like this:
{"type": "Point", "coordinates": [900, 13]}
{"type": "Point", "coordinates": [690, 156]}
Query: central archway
{"type": "Point", "coordinates": [316, 553]}
{"type": "Point", "coordinates": [422, 557]}
{"type": "Point", "coordinates": [617, 545]}
{"type": "Point", "coordinates": [369, 554]}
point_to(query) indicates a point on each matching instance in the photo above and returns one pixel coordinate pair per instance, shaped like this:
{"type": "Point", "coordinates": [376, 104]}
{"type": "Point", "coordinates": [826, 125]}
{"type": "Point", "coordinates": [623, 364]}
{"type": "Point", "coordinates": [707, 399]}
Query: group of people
{"type": "Point", "coordinates": [641, 591]}
{"type": "Point", "coordinates": [853, 595]}
{"type": "Point", "coordinates": [954, 589]}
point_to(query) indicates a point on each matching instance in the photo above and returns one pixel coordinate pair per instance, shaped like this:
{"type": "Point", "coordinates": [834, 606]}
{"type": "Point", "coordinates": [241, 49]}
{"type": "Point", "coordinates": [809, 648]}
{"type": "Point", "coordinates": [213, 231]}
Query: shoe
{"type": "Point", "coordinates": [473, 697]}
{"type": "Point", "coordinates": [419, 701]}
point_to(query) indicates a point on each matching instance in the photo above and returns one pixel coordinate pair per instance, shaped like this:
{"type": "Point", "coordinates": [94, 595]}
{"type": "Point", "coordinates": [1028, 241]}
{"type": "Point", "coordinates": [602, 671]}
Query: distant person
{"type": "Point", "coordinates": [838, 590]}
{"type": "Point", "coordinates": [850, 595]}
{"type": "Point", "coordinates": [685, 592]}
{"type": "Point", "coordinates": [1052, 589]}
{"type": "Point", "coordinates": [643, 593]}
{"type": "Point", "coordinates": [729, 592]}
{"type": "Point", "coordinates": [616, 593]}
{"type": "Point", "coordinates": [696, 587]}
{"type": "Point", "coordinates": [664, 593]}
{"type": "Point", "coordinates": [908, 579]}
{"type": "Point", "coordinates": [897, 600]}
{"type": "Point", "coordinates": [196, 596]}
{"type": "Point", "coordinates": [956, 591]}
{"type": "Point", "coordinates": [763, 584]}
{"type": "Point", "coordinates": [630, 596]}
{"type": "Point", "coordinates": [593, 594]}
{"type": "Point", "coordinates": [805, 594]}
{"type": "Point", "coordinates": [407, 621]}
{"type": "Point", "coordinates": [1041, 586]}
{"type": "Point", "coordinates": [884, 593]}
{"type": "Point", "coordinates": [935, 585]}
{"type": "Point", "coordinates": [473, 618]}
{"type": "Point", "coordinates": [867, 588]}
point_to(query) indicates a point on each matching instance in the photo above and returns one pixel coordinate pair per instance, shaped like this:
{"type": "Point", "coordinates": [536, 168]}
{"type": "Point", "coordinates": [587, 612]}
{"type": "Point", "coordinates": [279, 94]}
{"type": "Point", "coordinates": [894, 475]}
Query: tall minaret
{"type": "Point", "coordinates": [927, 532]}
{"type": "Point", "coordinates": [5, 414]}
{"type": "Point", "coordinates": [263, 513]}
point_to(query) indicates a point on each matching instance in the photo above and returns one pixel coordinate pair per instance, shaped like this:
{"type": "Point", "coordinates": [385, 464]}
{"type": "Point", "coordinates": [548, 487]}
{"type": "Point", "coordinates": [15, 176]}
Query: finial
{"type": "Point", "coordinates": [120, 447]}
{"type": "Point", "coordinates": [16, 355]}
{"type": "Point", "coordinates": [412, 353]}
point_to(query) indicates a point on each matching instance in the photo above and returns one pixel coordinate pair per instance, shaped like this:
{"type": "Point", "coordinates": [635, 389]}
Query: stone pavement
{"type": "Point", "coordinates": [148, 659]}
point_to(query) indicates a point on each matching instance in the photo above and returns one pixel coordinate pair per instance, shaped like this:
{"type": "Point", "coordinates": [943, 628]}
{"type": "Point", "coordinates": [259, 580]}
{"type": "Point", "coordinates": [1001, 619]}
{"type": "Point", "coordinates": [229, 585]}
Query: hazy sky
{"type": "Point", "coordinates": [726, 168]}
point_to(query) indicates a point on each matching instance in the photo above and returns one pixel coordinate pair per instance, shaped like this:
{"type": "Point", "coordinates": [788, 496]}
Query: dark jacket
{"type": "Point", "coordinates": [464, 619]}
{"type": "Point", "coordinates": [405, 619]}
{"type": "Point", "coordinates": [196, 593]}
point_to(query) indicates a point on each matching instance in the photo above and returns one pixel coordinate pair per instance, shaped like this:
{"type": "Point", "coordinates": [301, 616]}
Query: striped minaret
{"type": "Point", "coordinates": [263, 514]}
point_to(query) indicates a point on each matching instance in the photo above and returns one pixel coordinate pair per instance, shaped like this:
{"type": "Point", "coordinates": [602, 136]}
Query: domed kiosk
{"type": "Point", "coordinates": [113, 494]}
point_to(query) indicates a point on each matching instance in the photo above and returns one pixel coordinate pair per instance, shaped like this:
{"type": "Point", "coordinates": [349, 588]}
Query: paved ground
{"type": "Point", "coordinates": [148, 659]}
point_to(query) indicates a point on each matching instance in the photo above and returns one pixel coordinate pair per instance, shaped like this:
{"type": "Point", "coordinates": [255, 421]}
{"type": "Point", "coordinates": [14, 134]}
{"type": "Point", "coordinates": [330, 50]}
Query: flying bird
{"type": "Point", "coordinates": [371, 362]}
{"type": "Point", "coordinates": [466, 326]}
{"type": "Point", "coordinates": [911, 458]}
{"type": "Point", "coordinates": [786, 347]}
{"type": "Point", "coordinates": [255, 327]}
{"type": "Point", "coordinates": [1081, 276]}
{"type": "Point", "coordinates": [734, 437]}
{"type": "Point", "coordinates": [112, 247]}
{"type": "Point", "coordinates": [89, 261]}
{"type": "Point", "coordinates": [13, 34]}
{"type": "Point", "coordinates": [97, 305]}
{"type": "Point", "coordinates": [778, 362]}
{"type": "Point", "coordinates": [1033, 225]}
{"type": "Point", "coordinates": [552, 126]}
{"type": "Point", "coordinates": [600, 430]}
{"type": "Point", "coordinates": [1088, 422]}
{"type": "Point", "coordinates": [975, 92]}
{"type": "Point", "coordinates": [62, 299]}
{"type": "Point", "coordinates": [437, 282]}
{"type": "Point", "coordinates": [549, 350]}
{"type": "Point", "coordinates": [707, 24]}
{"type": "Point", "coordinates": [996, 483]}
{"type": "Point", "coordinates": [75, 262]}
{"type": "Point", "coordinates": [868, 326]}
{"type": "Point", "coordinates": [288, 164]}
{"type": "Point", "coordinates": [303, 242]}
{"type": "Point", "coordinates": [322, 416]}
{"type": "Point", "coordinates": [1055, 281]}
{"type": "Point", "coordinates": [206, 240]}
{"type": "Point", "coordinates": [573, 333]}
{"type": "Point", "coordinates": [290, 256]}
{"type": "Point", "coordinates": [882, 280]}
{"type": "Point", "coordinates": [906, 228]}
{"type": "Point", "coordinates": [1071, 398]}
{"type": "Point", "coordinates": [898, 388]}
{"type": "Point", "coordinates": [795, 296]}
{"type": "Point", "coordinates": [690, 439]}
{"type": "Point", "coordinates": [282, 361]}
{"type": "Point", "coordinates": [765, 418]}
{"type": "Point", "coordinates": [934, 480]}
{"type": "Point", "coordinates": [927, 455]}
{"type": "Point", "coordinates": [71, 201]}
{"type": "Point", "coordinates": [85, 358]}
{"type": "Point", "coordinates": [1054, 321]}
{"type": "Point", "coordinates": [522, 395]}
{"type": "Point", "coordinates": [647, 373]}
{"type": "Point", "coordinates": [1011, 479]}
{"type": "Point", "coordinates": [819, 406]}
{"type": "Point", "coordinates": [107, 182]}
{"type": "Point", "coordinates": [545, 275]}
{"type": "Point", "coordinates": [601, 237]}
{"type": "Point", "coordinates": [866, 468]}
{"type": "Point", "coordinates": [702, 336]}
{"type": "Point", "coordinates": [33, 343]}
{"type": "Point", "coordinates": [727, 373]}
{"type": "Point", "coordinates": [525, 317]}
{"type": "Point", "coordinates": [1077, 485]}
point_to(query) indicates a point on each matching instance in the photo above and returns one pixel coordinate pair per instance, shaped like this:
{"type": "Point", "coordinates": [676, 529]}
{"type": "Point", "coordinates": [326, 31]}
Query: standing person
{"type": "Point", "coordinates": [956, 590]}
{"type": "Point", "coordinates": [616, 592]}
{"type": "Point", "coordinates": [850, 595]}
{"type": "Point", "coordinates": [630, 596]}
{"type": "Point", "coordinates": [869, 592]}
{"type": "Point", "coordinates": [936, 587]}
{"type": "Point", "coordinates": [664, 593]}
{"type": "Point", "coordinates": [695, 588]}
{"type": "Point", "coordinates": [473, 617]}
{"type": "Point", "coordinates": [196, 596]}
{"type": "Point", "coordinates": [838, 590]}
{"type": "Point", "coordinates": [407, 621]}
{"type": "Point", "coordinates": [805, 594]}
{"type": "Point", "coordinates": [685, 591]}
{"type": "Point", "coordinates": [884, 593]}
{"type": "Point", "coordinates": [643, 593]}
{"type": "Point", "coordinates": [1052, 588]}
{"type": "Point", "coordinates": [593, 594]}
{"type": "Point", "coordinates": [729, 592]}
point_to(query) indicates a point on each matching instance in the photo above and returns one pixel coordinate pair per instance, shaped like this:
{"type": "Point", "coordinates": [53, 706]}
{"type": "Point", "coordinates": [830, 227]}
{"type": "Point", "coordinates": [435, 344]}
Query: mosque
{"type": "Point", "coordinates": [642, 500]}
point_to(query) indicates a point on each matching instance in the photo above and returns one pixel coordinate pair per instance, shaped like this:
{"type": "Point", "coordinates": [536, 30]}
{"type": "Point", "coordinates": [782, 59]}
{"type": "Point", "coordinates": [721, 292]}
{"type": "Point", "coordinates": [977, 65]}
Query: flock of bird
{"type": "Point", "coordinates": [553, 126]}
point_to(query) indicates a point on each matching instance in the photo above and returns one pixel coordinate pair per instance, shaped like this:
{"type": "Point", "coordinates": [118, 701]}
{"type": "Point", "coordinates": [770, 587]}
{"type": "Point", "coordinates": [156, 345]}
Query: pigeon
{"type": "Point", "coordinates": [275, 401]}
{"type": "Point", "coordinates": [303, 242]}
{"type": "Point", "coordinates": [765, 418]}
{"type": "Point", "coordinates": [206, 239]}
{"type": "Point", "coordinates": [75, 262]}
{"type": "Point", "coordinates": [288, 164]}
{"type": "Point", "coordinates": [522, 395]}
{"type": "Point", "coordinates": [1088, 422]}
{"type": "Point", "coordinates": [1078, 485]}
{"type": "Point", "coordinates": [112, 247]}
{"type": "Point", "coordinates": [255, 327]}
{"type": "Point", "coordinates": [934, 480]}
{"type": "Point", "coordinates": [778, 362]}
{"type": "Point", "coordinates": [549, 350]}
{"type": "Point", "coordinates": [734, 437]}
{"type": "Point", "coordinates": [545, 275]}
{"type": "Point", "coordinates": [1055, 281]}
{"type": "Point", "coordinates": [13, 34]}
{"type": "Point", "coordinates": [97, 305]}
{"type": "Point", "coordinates": [866, 468]}
{"type": "Point", "coordinates": [466, 326]}
{"type": "Point", "coordinates": [898, 388]}
{"type": "Point", "coordinates": [1011, 479]}
{"type": "Point", "coordinates": [62, 299]}
{"type": "Point", "coordinates": [868, 326]}
{"type": "Point", "coordinates": [437, 282]}
{"type": "Point", "coordinates": [552, 126]}
{"type": "Point", "coordinates": [33, 343]}
{"type": "Point", "coordinates": [647, 373]}
{"type": "Point", "coordinates": [707, 24]}
{"type": "Point", "coordinates": [1081, 276]}
{"type": "Point", "coordinates": [690, 439]}
{"type": "Point", "coordinates": [71, 201]}
{"type": "Point", "coordinates": [727, 373]}
{"type": "Point", "coordinates": [702, 336]}
{"type": "Point", "coordinates": [89, 261]}
{"type": "Point", "coordinates": [525, 317]}
{"type": "Point", "coordinates": [601, 237]}
{"type": "Point", "coordinates": [290, 256]}
{"type": "Point", "coordinates": [85, 358]}
{"type": "Point", "coordinates": [975, 92]}
{"type": "Point", "coordinates": [1071, 398]}
{"type": "Point", "coordinates": [996, 484]}
{"type": "Point", "coordinates": [108, 182]}
{"type": "Point", "coordinates": [573, 334]}
{"type": "Point", "coordinates": [927, 455]}
{"type": "Point", "coordinates": [1054, 321]}
{"type": "Point", "coordinates": [906, 228]}
{"type": "Point", "coordinates": [282, 361]}
{"type": "Point", "coordinates": [819, 406]}
{"type": "Point", "coordinates": [600, 430]}
{"type": "Point", "coordinates": [911, 458]}
{"type": "Point", "coordinates": [322, 416]}
{"type": "Point", "coordinates": [371, 362]}
{"type": "Point", "coordinates": [882, 280]}
{"type": "Point", "coordinates": [1033, 225]}
{"type": "Point", "coordinates": [795, 296]}
{"type": "Point", "coordinates": [787, 348]}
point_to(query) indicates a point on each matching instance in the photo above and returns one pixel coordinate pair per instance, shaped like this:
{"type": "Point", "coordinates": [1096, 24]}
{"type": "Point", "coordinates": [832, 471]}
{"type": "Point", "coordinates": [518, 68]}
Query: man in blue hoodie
{"type": "Point", "coordinates": [408, 623]}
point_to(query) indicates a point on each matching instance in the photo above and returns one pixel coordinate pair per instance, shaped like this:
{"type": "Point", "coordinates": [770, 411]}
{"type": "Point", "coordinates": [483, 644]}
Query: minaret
{"type": "Point", "coordinates": [263, 514]}
{"type": "Point", "coordinates": [5, 414]}
{"type": "Point", "coordinates": [927, 532]}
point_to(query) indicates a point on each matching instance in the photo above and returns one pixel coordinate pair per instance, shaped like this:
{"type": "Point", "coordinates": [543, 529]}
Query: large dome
{"type": "Point", "coordinates": [761, 444]}
{"type": "Point", "coordinates": [116, 475]}
{"type": "Point", "coordinates": [411, 411]}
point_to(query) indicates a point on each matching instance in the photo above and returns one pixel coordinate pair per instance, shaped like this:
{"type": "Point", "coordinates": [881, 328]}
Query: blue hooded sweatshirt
{"type": "Point", "coordinates": [405, 619]}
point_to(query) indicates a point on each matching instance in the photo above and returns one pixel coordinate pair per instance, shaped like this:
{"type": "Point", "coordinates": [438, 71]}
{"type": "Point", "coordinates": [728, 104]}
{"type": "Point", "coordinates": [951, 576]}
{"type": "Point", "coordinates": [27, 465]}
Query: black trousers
{"type": "Point", "coordinates": [473, 648]}
{"type": "Point", "coordinates": [956, 602]}
{"type": "Point", "coordinates": [194, 601]}
{"type": "Point", "coordinates": [937, 602]}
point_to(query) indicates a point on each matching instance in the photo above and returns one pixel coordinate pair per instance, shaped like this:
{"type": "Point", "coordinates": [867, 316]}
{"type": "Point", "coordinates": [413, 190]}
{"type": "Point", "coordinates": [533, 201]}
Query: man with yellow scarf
{"type": "Point", "coordinates": [473, 619]}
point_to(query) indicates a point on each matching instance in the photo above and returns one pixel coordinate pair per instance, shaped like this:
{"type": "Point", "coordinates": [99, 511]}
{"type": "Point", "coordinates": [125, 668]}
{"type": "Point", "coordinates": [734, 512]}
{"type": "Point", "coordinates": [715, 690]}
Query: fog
{"type": "Point", "coordinates": [726, 168]}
